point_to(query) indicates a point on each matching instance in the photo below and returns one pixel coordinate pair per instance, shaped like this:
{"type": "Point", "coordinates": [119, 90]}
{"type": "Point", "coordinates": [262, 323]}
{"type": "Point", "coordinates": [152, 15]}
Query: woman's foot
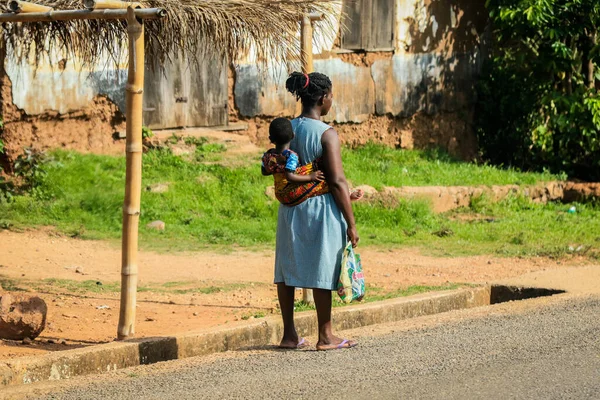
{"type": "Point", "coordinates": [335, 343]}
{"type": "Point", "coordinates": [294, 344]}
{"type": "Point", "coordinates": [356, 195]}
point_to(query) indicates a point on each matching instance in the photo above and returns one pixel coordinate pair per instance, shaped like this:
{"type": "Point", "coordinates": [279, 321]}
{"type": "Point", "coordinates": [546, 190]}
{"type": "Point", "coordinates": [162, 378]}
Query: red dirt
{"type": "Point", "coordinates": [86, 130]}
{"type": "Point", "coordinates": [75, 317]}
{"type": "Point", "coordinates": [421, 131]}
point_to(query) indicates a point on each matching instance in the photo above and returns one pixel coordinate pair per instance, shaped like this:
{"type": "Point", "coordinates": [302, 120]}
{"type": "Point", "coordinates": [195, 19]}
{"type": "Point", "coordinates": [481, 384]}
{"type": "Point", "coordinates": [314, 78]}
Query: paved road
{"type": "Point", "coordinates": [546, 353]}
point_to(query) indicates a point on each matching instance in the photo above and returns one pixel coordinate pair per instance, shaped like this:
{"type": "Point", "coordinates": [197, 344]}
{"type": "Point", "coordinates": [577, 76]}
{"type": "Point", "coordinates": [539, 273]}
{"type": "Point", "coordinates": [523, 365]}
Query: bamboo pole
{"type": "Point", "coordinates": [70, 15]}
{"type": "Point", "coordinates": [16, 6]}
{"type": "Point", "coordinates": [133, 177]}
{"type": "Point", "coordinates": [109, 4]}
{"type": "Point", "coordinates": [306, 36]}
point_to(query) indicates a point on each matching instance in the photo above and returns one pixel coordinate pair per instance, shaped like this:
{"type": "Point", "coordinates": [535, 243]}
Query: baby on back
{"type": "Point", "coordinates": [294, 183]}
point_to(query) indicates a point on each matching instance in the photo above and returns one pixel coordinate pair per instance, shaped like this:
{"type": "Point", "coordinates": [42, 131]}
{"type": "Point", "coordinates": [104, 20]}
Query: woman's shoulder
{"type": "Point", "coordinates": [309, 123]}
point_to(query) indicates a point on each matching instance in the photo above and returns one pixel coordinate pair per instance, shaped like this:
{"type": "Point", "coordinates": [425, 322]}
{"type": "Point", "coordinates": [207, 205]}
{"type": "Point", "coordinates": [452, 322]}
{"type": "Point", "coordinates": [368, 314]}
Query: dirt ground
{"type": "Point", "coordinates": [191, 291]}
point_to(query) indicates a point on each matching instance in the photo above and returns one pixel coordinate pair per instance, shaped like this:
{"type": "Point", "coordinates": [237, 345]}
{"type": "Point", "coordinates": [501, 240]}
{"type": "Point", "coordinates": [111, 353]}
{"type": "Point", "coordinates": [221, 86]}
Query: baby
{"type": "Point", "coordinates": [293, 183]}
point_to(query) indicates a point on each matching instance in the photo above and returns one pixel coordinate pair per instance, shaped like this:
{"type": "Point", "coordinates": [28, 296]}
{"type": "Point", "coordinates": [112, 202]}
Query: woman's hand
{"type": "Point", "coordinates": [317, 176]}
{"type": "Point", "coordinates": [353, 235]}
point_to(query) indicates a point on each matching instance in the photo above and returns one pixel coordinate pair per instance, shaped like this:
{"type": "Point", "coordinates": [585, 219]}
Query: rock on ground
{"type": "Point", "coordinates": [158, 188]}
{"type": "Point", "coordinates": [21, 316]}
{"type": "Point", "coordinates": [158, 225]}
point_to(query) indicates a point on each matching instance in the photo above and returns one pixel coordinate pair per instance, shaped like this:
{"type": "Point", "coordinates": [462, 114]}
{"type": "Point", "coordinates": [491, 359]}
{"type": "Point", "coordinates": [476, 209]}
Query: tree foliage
{"type": "Point", "coordinates": [538, 97]}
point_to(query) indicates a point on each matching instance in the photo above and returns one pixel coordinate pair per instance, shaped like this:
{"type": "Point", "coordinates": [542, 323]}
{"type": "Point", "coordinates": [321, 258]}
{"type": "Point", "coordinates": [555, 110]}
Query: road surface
{"type": "Point", "coordinates": [546, 352]}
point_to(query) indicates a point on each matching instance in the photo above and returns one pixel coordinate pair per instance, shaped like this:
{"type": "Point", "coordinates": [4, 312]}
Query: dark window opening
{"type": "Point", "coordinates": [369, 25]}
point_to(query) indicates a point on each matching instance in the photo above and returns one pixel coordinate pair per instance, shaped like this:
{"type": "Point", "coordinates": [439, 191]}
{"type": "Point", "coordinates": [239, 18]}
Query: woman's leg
{"type": "Point", "coordinates": [327, 340]}
{"type": "Point", "coordinates": [286, 303]}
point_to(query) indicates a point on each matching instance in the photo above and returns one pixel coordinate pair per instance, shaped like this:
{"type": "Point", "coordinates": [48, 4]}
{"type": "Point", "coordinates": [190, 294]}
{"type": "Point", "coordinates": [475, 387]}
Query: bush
{"type": "Point", "coordinates": [538, 100]}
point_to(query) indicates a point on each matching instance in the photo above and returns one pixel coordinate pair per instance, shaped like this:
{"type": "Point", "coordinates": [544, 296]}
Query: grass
{"type": "Point", "coordinates": [214, 289]}
{"type": "Point", "coordinates": [256, 315]}
{"type": "Point", "coordinates": [519, 227]}
{"type": "Point", "coordinates": [10, 285]}
{"type": "Point", "coordinates": [53, 285]}
{"type": "Point", "coordinates": [88, 286]}
{"type": "Point", "coordinates": [210, 205]}
{"type": "Point", "coordinates": [379, 166]}
{"type": "Point", "coordinates": [82, 195]}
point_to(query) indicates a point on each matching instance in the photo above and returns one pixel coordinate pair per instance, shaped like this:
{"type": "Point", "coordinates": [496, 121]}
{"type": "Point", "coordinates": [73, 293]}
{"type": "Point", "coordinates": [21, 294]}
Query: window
{"type": "Point", "coordinates": [369, 25]}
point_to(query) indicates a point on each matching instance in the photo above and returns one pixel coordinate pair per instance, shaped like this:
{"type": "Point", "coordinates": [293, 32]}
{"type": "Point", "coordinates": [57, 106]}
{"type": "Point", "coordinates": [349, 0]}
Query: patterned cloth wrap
{"type": "Point", "coordinates": [351, 285]}
{"type": "Point", "coordinates": [292, 193]}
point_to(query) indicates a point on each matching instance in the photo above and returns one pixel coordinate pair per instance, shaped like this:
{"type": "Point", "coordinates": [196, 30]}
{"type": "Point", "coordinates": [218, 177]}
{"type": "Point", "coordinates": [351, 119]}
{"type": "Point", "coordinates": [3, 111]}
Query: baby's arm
{"type": "Point", "coordinates": [290, 171]}
{"type": "Point", "coordinates": [315, 176]}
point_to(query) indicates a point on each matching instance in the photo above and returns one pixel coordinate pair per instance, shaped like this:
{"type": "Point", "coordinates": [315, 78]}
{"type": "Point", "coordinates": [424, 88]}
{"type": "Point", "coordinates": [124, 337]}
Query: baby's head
{"type": "Point", "coordinates": [280, 131]}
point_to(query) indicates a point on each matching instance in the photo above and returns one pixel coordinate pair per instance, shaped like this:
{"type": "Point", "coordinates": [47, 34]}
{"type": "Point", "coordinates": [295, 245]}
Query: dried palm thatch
{"type": "Point", "coordinates": [192, 28]}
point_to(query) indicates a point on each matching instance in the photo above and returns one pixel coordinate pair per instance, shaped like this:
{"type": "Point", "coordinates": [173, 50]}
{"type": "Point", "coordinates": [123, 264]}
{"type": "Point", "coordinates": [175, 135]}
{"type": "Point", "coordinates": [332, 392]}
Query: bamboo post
{"type": "Point", "coordinates": [306, 36]}
{"type": "Point", "coordinates": [109, 4]}
{"type": "Point", "coordinates": [71, 15]}
{"type": "Point", "coordinates": [16, 6]}
{"type": "Point", "coordinates": [306, 57]}
{"type": "Point", "coordinates": [133, 179]}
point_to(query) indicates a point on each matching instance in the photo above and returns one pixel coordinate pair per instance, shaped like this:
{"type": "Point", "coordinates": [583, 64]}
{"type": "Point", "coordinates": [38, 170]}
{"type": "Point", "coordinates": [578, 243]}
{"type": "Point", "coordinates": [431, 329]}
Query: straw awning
{"type": "Point", "coordinates": [191, 28]}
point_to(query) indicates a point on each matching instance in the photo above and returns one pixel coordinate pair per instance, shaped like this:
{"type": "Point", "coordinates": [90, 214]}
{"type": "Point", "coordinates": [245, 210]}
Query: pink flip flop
{"type": "Point", "coordinates": [302, 344]}
{"type": "Point", "coordinates": [345, 344]}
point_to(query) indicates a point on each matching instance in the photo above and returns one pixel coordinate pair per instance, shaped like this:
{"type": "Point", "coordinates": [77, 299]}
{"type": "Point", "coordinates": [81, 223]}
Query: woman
{"type": "Point", "coordinates": [311, 236]}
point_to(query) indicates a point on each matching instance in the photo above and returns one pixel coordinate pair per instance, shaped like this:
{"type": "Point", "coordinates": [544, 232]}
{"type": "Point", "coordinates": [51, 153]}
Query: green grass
{"type": "Point", "coordinates": [89, 286]}
{"type": "Point", "coordinates": [10, 285]}
{"type": "Point", "coordinates": [214, 289]}
{"type": "Point", "coordinates": [92, 286]}
{"type": "Point", "coordinates": [519, 227]}
{"type": "Point", "coordinates": [256, 315]}
{"type": "Point", "coordinates": [513, 227]}
{"type": "Point", "coordinates": [215, 206]}
{"type": "Point", "coordinates": [379, 166]}
{"type": "Point", "coordinates": [82, 195]}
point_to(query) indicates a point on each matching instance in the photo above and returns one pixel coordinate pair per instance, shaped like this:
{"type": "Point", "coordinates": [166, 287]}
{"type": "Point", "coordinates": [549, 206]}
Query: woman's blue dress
{"type": "Point", "coordinates": [312, 235]}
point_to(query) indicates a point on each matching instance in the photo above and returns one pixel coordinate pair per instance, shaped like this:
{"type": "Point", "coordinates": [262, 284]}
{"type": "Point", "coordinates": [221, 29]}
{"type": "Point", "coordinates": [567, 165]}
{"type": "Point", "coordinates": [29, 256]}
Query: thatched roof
{"type": "Point", "coordinates": [192, 28]}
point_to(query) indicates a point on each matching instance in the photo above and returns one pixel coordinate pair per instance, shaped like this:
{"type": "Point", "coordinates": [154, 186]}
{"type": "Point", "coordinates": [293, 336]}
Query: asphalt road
{"type": "Point", "coordinates": [551, 352]}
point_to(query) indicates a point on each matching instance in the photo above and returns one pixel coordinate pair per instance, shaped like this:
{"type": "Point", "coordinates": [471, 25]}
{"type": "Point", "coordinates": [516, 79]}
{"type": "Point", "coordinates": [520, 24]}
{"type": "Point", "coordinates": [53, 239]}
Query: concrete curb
{"type": "Point", "coordinates": [263, 332]}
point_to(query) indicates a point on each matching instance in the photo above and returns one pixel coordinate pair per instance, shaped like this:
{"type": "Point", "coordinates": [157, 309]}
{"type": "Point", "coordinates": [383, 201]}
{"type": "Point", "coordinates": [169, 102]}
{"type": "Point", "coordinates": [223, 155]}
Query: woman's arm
{"type": "Point", "coordinates": [338, 186]}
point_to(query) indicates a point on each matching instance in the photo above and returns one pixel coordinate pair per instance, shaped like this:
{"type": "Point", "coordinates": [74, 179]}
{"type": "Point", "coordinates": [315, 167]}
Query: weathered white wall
{"type": "Point", "coordinates": [412, 80]}
{"type": "Point", "coordinates": [354, 92]}
{"type": "Point", "coordinates": [63, 86]}
{"type": "Point", "coordinates": [432, 69]}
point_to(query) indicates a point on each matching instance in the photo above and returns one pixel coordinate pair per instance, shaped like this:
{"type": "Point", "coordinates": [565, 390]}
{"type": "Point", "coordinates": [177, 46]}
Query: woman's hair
{"type": "Point", "coordinates": [280, 131]}
{"type": "Point", "coordinates": [308, 88]}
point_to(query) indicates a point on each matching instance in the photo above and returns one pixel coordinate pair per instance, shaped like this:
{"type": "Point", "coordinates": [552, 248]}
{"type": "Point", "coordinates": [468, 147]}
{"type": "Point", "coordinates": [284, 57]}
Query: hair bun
{"type": "Point", "coordinates": [308, 88]}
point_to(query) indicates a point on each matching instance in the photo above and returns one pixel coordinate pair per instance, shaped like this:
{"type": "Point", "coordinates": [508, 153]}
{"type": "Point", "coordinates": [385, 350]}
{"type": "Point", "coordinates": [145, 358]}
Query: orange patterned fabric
{"type": "Point", "coordinates": [291, 193]}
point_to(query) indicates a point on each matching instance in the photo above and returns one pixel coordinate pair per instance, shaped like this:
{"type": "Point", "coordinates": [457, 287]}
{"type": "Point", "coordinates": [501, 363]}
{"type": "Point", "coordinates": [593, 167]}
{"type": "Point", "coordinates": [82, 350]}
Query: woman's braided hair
{"type": "Point", "coordinates": [308, 92]}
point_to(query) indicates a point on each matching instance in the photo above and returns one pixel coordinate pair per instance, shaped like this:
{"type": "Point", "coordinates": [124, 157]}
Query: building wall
{"type": "Point", "coordinates": [430, 73]}
{"type": "Point", "coordinates": [59, 106]}
{"type": "Point", "coordinates": [64, 87]}
{"type": "Point", "coordinates": [423, 84]}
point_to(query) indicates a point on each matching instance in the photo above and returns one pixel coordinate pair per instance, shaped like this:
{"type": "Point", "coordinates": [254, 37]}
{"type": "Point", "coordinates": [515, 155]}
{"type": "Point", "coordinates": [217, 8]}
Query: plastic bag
{"type": "Point", "coordinates": [351, 285]}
